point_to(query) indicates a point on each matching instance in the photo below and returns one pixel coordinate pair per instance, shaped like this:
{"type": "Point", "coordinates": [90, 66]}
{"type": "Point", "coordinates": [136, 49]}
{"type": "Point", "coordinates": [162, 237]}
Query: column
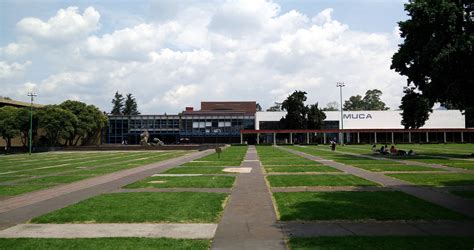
{"type": "Point", "coordinates": [462, 137]}
{"type": "Point", "coordinates": [307, 138]}
{"type": "Point", "coordinates": [241, 138]}
{"type": "Point", "coordinates": [444, 136]}
{"type": "Point", "coordinates": [258, 138]}
{"type": "Point", "coordinates": [291, 138]}
{"type": "Point", "coordinates": [324, 138]}
{"type": "Point", "coordinates": [358, 137]}
{"type": "Point", "coordinates": [274, 138]}
{"type": "Point", "coordinates": [427, 136]}
{"type": "Point", "coordinates": [375, 137]}
{"type": "Point", "coordinates": [409, 137]}
{"type": "Point", "coordinates": [393, 139]}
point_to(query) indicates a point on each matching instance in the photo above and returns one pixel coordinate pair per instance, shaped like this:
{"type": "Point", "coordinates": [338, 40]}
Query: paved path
{"type": "Point", "coordinates": [330, 189]}
{"type": "Point", "coordinates": [249, 220]}
{"type": "Point", "coordinates": [21, 208]}
{"type": "Point", "coordinates": [439, 197]}
{"type": "Point", "coordinates": [343, 228]}
{"type": "Point", "coordinates": [174, 230]}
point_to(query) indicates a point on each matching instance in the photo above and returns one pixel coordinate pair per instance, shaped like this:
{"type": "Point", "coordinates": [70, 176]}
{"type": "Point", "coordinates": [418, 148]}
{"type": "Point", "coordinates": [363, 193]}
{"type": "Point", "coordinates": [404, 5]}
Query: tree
{"type": "Point", "coordinates": [57, 123]}
{"type": "Point", "coordinates": [258, 107]}
{"type": "Point", "coordinates": [316, 117]}
{"type": "Point", "coordinates": [117, 103]}
{"type": "Point", "coordinates": [9, 124]}
{"type": "Point", "coordinates": [99, 122]}
{"type": "Point", "coordinates": [296, 111]}
{"type": "Point", "coordinates": [372, 100]}
{"type": "Point", "coordinates": [415, 109]}
{"type": "Point", "coordinates": [131, 107]}
{"type": "Point", "coordinates": [23, 120]}
{"type": "Point", "coordinates": [275, 108]}
{"type": "Point", "coordinates": [331, 106]}
{"type": "Point", "coordinates": [354, 103]}
{"type": "Point", "coordinates": [437, 52]}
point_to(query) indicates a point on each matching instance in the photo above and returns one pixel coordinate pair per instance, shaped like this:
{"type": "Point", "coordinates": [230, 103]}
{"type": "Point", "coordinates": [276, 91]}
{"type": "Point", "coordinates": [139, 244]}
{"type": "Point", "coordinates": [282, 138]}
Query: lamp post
{"type": "Point", "coordinates": [341, 134]}
{"type": "Point", "coordinates": [30, 132]}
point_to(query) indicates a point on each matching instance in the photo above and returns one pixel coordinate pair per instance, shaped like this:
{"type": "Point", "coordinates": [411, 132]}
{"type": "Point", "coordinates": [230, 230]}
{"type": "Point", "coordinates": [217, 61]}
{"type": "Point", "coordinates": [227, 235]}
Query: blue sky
{"type": "Point", "coordinates": [172, 54]}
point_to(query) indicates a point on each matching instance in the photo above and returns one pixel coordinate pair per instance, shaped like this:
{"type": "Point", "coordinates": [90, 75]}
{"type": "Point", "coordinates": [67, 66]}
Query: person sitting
{"type": "Point", "coordinates": [393, 150]}
{"type": "Point", "coordinates": [401, 152]}
{"type": "Point", "coordinates": [383, 150]}
{"type": "Point", "coordinates": [411, 152]}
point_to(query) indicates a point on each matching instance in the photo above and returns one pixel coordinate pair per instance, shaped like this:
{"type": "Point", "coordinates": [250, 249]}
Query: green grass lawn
{"type": "Point", "coordinates": [358, 206]}
{"type": "Point", "coordinates": [197, 170]}
{"type": "Point", "coordinates": [69, 167]}
{"type": "Point", "coordinates": [185, 182]}
{"type": "Point", "coordinates": [449, 179]}
{"type": "Point", "coordinates": [382, 242]}
{"type": "Point", "coordinates": [103, 243]}
{"type": "Point", "coordinates": [232, 156]}
{"type": "Point", "coordinates": [317, 180]}
{"type": "Point", "coordinates": [393, 167]}
{"type": "Point", "coordinates": [467, 194]}
{"type": "Point", "coordinates": [300, 168]}
{"type": "Point", "coordinates": [272, 156]}
{"type": "Point", "coordinates": [141, 208]}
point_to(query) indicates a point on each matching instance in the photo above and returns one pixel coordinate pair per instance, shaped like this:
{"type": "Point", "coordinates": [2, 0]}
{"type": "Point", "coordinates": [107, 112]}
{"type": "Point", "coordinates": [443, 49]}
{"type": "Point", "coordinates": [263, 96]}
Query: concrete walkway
{"type": "Point", "coordinates": [438, 197]}
{"type": "Point", "coordinates": [179, 231]}
{"type": "Point", "coordinates": [22, 208]}
{"type": "Point", "coordinates": [345, 228]}
{"type": "Point", "coordinates": [249, 220]}
{"type": "Point", "coordinates": [172, 190]}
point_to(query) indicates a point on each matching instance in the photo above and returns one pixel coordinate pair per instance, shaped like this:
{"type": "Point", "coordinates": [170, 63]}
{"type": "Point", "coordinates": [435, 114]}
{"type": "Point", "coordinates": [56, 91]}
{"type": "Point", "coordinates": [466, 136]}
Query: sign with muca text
{"type": "Point", "coordinates": [360, 116]}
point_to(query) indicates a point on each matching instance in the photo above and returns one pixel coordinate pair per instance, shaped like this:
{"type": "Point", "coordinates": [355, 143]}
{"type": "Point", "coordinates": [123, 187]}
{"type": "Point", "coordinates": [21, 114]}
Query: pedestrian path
{"type": "Point", "coordinates": [249, 220]}
{"type": "Point", "coordinates": [22, 208]}
{"type": "Point", "coordinates": [443, 199]}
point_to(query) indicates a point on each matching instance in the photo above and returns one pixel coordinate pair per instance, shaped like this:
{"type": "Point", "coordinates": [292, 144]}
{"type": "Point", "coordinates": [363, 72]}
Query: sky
{"type": "Point", "coordinates": [171, 54]}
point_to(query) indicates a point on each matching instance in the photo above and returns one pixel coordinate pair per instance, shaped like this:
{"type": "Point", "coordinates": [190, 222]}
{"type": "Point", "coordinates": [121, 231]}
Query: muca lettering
{"type": "Point", "coordinates": [357, 116]}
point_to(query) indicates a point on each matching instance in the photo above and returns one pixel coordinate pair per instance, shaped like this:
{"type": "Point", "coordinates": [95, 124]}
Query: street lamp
{"type": "Point", "coordinates": [30, 132]}
{"type": "Point", "coordinates": [341, 134]}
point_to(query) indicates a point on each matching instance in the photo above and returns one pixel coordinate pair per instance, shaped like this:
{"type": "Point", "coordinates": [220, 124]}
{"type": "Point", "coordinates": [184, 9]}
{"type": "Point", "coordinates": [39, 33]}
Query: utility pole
{"type": "Point", "coordinates": [30, 132]}
{"type": "Point", "coordinates": [340, 85]}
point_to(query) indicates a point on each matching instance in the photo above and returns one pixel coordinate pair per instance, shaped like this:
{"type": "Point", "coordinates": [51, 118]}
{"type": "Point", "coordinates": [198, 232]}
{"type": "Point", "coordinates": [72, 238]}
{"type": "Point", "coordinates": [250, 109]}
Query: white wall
{"type": "Point", "coordinates": [378, 119]}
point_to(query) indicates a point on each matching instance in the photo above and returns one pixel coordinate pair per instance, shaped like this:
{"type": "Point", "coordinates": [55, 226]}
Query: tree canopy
{"type": "Point", "coordinates": [416, 109]}
{"type": "Point", "coordinates": [130, 107]}
{"type": "Point", "coordinates": [371, 101]}
{"type": "Point", "coordinates": [9, 127]}
{"type": "Point", "coordinates": [437, 54]}
{"type": "Point", "coordinates": [331, 106]}
{"type": "Point", "coordinates": [300, 116]}
{"type": "Point", "coordinates": [117, 104]}
{"type": "Point", "coordinates": [275, 108]}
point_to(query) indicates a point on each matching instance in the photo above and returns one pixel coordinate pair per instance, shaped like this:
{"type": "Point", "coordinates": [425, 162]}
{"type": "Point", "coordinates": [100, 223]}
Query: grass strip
{"type": "Point", "coordinates": [317, 180]}
{"type": "Point", "coordinates": [304, 168]}
{"type": "Point", "coordinates": [186, 207]}
{"type": "Point", "coordinates": [449, 179]}
{"type": "Point", "coordinates": [382, 242]}
{"type": "Point", "coordinates": [103, 243]}
{"type": "Point", "coordinates": [380, 205]}
{"type": "Point", "coordinates": [197, 170]}
{"type": "Point", "coordinates": [184, 182]}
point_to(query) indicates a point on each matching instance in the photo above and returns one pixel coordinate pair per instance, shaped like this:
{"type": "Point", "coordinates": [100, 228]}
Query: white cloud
{"type": "Point", "coordinates": [9, 70]}
{"type": "Point", "coordinates": [233, 50]}
{"type": "Point", "coordinates": [66, 25]}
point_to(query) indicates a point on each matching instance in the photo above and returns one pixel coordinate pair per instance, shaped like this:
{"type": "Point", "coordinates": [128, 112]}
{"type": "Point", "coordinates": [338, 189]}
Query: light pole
{"type": "Point", "coordinates": [30, 132]}
{"type": "Point", "coordinates": [341, 134]}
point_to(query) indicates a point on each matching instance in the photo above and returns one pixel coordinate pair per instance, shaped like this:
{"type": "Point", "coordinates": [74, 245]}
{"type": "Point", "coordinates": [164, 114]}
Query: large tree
{"type": "Point", "coordinates": [354, 103]}
{"type": "Point", "coordinates": [131, 107]}
{"type": "Point", "coordinates": [437, 54]}
{"type": "Point", "coordinates": [370, 101]}
{"type": "Point", "coordinates": [9, 127]}
{"type": "Point", "coordinates": [23, 120]}
{"type": "Point", "coordinates": [316, 117]}
{"type": "Point", "coordinates": [56, 122]}
{"type": "Point", "coordinates": [117, 103]}
{"type": "Point", "coordinates": [296, 111]}
{"type": "Point", "coordinates": [416, 109]}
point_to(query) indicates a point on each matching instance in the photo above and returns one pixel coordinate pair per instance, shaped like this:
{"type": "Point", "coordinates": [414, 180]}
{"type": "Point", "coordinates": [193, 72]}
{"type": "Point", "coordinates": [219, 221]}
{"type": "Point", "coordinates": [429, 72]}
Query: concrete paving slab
{"type": "Point", "coordinates": [178, 231]}
{"type": "Point", "coordinates": [241, 170]}
{"type": "Point", "coordinates": [175, 175]}
{"type": "Point", "coordinates": [330, 189]}
{"type": "Point", "coordinates": [172, 190]}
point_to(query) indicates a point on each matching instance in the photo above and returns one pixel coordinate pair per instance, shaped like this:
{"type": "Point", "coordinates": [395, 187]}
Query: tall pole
{"type": "Point", "coordinates": [341, 134]}
{"type": "Point", "coordinates": [30, 132]}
